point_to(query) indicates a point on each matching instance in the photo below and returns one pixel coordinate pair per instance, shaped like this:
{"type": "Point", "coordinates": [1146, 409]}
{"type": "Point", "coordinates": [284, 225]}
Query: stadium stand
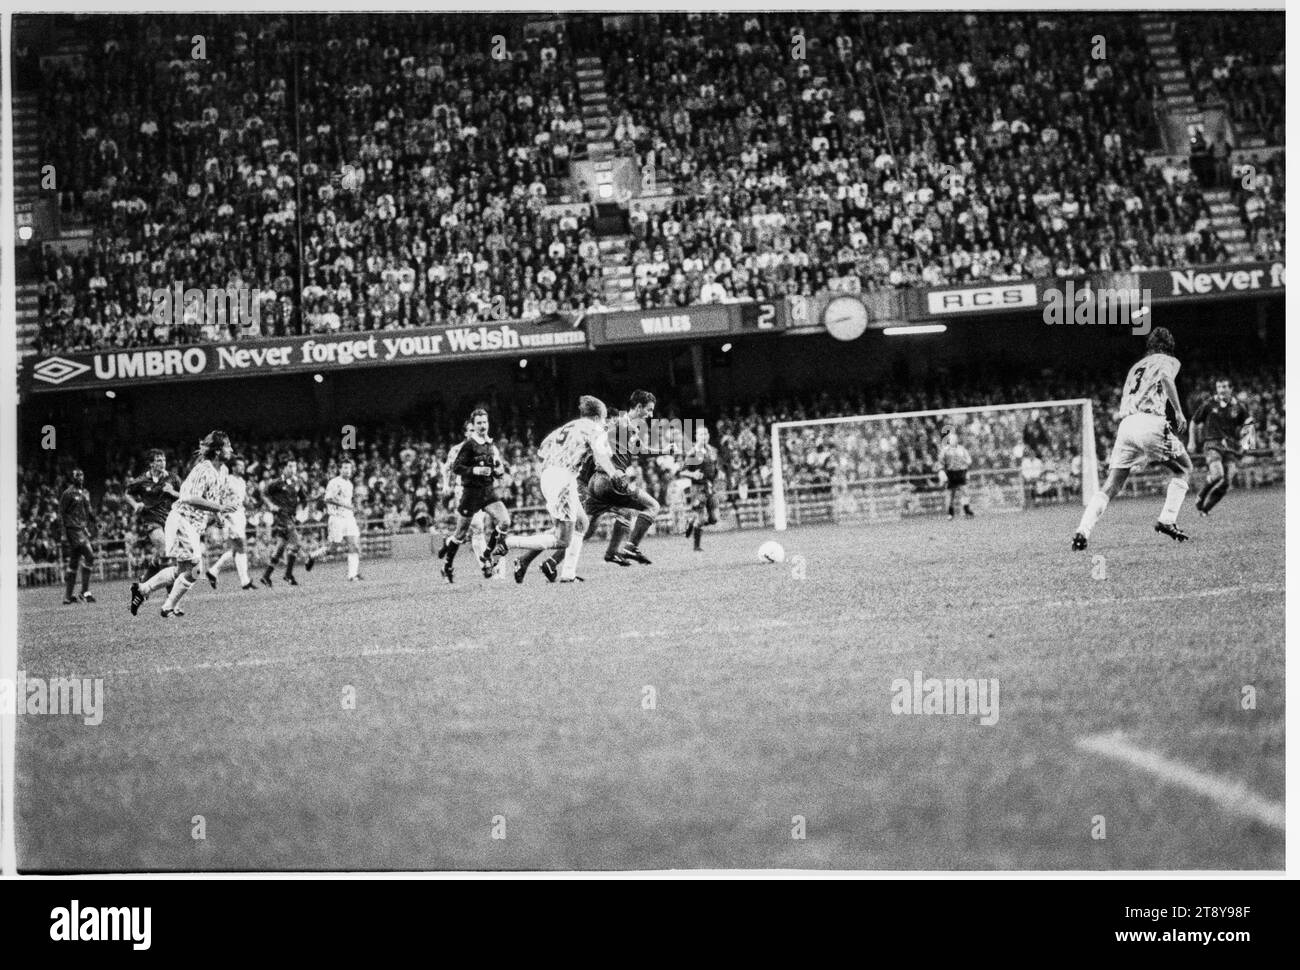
{"type": "Point", "coordinates": [360, 172]}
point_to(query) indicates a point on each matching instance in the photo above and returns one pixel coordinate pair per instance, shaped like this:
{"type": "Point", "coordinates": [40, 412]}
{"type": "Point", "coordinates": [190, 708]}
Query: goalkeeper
{"type": "Point", "coordinates": [1225, 427]}
{"type": "Point", "coordinates": [954, 465]}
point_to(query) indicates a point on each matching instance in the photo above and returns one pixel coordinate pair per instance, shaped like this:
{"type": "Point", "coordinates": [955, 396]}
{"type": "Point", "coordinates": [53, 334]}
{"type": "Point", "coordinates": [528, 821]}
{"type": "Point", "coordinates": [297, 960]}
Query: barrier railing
{"type": "Point", "coordinates": [114, 559]}
{"type": "Point", "coordinates": [870, 499]}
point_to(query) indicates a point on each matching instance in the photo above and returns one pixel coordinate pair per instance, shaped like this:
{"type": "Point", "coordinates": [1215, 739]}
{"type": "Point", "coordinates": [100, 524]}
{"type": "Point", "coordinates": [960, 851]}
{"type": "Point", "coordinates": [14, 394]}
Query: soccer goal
{"type": "Point", "coordinates": [873, 467]}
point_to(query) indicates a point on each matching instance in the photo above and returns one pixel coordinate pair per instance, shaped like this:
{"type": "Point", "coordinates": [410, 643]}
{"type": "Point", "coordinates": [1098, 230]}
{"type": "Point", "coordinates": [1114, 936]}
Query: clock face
{"type": "Point", "coordinates": [845, 318]}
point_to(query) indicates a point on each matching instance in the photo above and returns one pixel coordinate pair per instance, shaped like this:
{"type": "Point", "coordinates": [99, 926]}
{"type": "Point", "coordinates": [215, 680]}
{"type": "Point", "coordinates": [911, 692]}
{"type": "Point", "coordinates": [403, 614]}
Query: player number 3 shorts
{"type": "Point", "coordinates": [1144, 439]}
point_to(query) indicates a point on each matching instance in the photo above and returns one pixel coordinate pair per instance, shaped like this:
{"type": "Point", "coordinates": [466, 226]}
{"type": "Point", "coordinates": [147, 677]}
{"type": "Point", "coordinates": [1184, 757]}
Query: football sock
{"type": "Point", "coordinates": [616, 536]}
{"type": "Point", "coordinates": [1173, 500]}
{"type": "Point", "coordinates": [527, 558]}
{"type": "Point", "coordinates": [179, 589]}
{"type": "Point", "coordinates": [69, 582]}
{"type": "Point", "coordinates": [1205, 491]}
{"type": "Point", "coordinates": [85, 579]}
{"type": "Point", "coordinates": [164, 577]}
{"type": "Point", "coordinates": [451, 545]}
{"type": "Point", "coordinates": [640, 526]}
{"type": "Point", "coordinates": [1092, 513]}
{"type": "Point", "coordinates": [222, 561]}
{"type": "Point", "coordinates": [571, 554]}
{"type": "Point", "coordinates": [543, 540]}
{"type": "Point", "coordinates": [354, 564]}
{"type": "Point", "coordinates": [241, 566]}
{"type": "Point", "coordinates": [699, 533]}
{"type": "Point", "coordinates": [1219, 490]}
{"type": "Point", "coordinates": [557, 557]}
{"type": "Point", "coordinates": [288, 566]}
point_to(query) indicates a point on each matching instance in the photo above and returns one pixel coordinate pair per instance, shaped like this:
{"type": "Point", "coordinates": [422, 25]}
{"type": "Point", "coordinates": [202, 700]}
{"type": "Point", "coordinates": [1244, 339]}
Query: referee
{"type": "Point", "coordinates": [954, 461]}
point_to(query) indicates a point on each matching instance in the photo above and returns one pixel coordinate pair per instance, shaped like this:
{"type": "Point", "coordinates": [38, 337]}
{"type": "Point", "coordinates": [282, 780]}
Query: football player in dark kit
{"type": "Point", "coordinates": [78, 530]}
{"type": "Point", "coordinates": [151, 496]}
{"type": "Point", "coordinates": [635, 507]}
{"type": "Point", "coordinates": [1223, 423]}
{"type": "Point", "coordinates": [282, 496]}
{"type": "Point", "coordinates": [701, 468]}
{"type": "Point", "coordinates": [478, 465]}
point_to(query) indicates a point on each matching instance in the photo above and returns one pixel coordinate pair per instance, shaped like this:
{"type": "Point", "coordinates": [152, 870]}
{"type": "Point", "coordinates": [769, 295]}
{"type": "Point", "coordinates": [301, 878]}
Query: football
{"type": "Point", "coordinates": [771, 552]}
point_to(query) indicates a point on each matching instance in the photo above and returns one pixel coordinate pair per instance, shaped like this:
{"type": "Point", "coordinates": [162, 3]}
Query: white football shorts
{"type": "Point", "coordinates": [184, 542]}
{"type": "Point", "coordinates": [236, 525]}
{"type": "Point", "coordinates": [343, 527]}
{"type": "Point", "coordinates": [1144, 439]}
{"type": "Point", "coordinates": [560, 489]}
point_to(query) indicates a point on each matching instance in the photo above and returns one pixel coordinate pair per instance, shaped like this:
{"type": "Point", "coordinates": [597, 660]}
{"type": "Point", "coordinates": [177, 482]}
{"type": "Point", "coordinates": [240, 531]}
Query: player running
{"type": "Point", "coordinates": [701, 470]}
{"type": "Point", "coordinates": [1151, 419]}
{"type": "Point", "coordinates": [78, 530]}
{"type": "Point", "coordinates": [201, 496]}
{"type": "Point", "coordinates": [476, 463]}
{"type": "Point", "coordinates": [235, 527]}
{"type": "Point", "coordinates": [342, 530]}
{"type": "Point", "coordinates": [282, 496]}
{"type": "Point", "coordinates": [954, 463]}
{"type": "Point", "coordinates": [635, 507]}
{"type": "Point", "coordinates": [1225, 428]}
{"type": "Point", "coordinates": [151, 497]}
{"type": "Point", "coordinates": [563, 452]}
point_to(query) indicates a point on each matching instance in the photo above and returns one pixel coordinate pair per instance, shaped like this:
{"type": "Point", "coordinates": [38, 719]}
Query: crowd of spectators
{"type": "Point", "coordinates": [400, 481]}
{"type": "Point", "coordinates": [367, 171]}
{"type": "Point", "coordinates": [352, 171]}
{"type": "Point", "coordinates": [1236, 60]}
{"type": "Point", "coordinates": [866, 151]}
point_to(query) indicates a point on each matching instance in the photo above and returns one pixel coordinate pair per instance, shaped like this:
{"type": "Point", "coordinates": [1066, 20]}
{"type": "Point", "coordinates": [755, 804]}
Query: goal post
{"type": "Point", "coordinates": [872, 467]}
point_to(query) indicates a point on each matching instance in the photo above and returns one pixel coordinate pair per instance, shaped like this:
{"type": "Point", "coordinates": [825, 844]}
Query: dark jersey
{"type": "Point", "coordinates": [473, 454]}
{"type": "Point", "coordinates": [74, 511]}
{"type": "Point", "coordinates": [625, 444]}
{"type": "Point", "coordinates": [287, 496]}
{"type": "Point", "coordinates": [1222, 422]}
{"type": "Point", "coordinates": [704, 459]}
{"type": "Point", "coordinates": [155, 502]}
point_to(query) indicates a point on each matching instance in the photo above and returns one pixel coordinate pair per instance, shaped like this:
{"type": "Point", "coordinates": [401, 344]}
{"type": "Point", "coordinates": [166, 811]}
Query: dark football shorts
{"type": "Point", "coordinates": [1223, 449]}
{"type": "Point", "coordinates": [286, 530]}
{"type": "Point", "coordinates": [957, 479]}
{"type": "Point", "coordinates": [77, 547]}
{"type": "Point", "coordinates": [600, 495]}
{"type": "Point", "coordinates": [475, 500]}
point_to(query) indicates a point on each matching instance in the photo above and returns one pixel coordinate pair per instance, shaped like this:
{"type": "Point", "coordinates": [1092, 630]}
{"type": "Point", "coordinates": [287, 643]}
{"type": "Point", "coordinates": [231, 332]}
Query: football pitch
{"type": "Point", "coordinates": [705, 711]}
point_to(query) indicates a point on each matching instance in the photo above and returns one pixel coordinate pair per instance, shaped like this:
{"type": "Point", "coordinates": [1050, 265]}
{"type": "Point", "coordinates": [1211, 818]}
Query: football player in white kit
{"type": "Point", "coordinates": [201, 496]}
{"type": "Point", "coordinates": [235, 527]}
{"type": "Point", "coordinates": [343, 529]}
{"type": "Point", "coordinates": [1151, 418]}
{"type": "Point", "coordinates": [563, 453]}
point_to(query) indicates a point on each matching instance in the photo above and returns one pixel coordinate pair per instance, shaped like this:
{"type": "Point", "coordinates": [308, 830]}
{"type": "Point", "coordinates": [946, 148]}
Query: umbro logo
{"type": "Point", "coordinates": [56, 370]}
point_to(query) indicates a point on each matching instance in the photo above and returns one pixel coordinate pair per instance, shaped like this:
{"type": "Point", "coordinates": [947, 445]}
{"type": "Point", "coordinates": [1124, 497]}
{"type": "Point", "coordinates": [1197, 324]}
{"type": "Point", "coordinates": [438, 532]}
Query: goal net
{"type": "Point", "coordinates": [873, 467]}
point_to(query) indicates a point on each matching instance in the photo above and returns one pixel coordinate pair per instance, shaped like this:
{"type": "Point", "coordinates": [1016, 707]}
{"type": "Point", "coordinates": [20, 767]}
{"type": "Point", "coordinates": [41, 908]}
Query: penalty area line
{"type": "Point", "coordinates": [1231, 796]}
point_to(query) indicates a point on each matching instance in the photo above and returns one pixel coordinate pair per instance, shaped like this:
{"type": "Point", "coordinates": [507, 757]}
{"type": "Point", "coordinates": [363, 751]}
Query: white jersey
{"type": "Point", "coordinates": [569, 445]}
{"type": "Point", "coordinates": [205, 482]}
{"type": "Point", "coordinates": [1144, 389]}
{"type": "Point", "coordinates": [338, 497]}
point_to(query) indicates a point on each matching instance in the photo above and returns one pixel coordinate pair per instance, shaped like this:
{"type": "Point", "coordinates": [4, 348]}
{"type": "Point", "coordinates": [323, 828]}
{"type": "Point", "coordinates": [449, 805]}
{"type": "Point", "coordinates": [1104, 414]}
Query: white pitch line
{"type": "Point", "coordinates": [1232, 796]}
